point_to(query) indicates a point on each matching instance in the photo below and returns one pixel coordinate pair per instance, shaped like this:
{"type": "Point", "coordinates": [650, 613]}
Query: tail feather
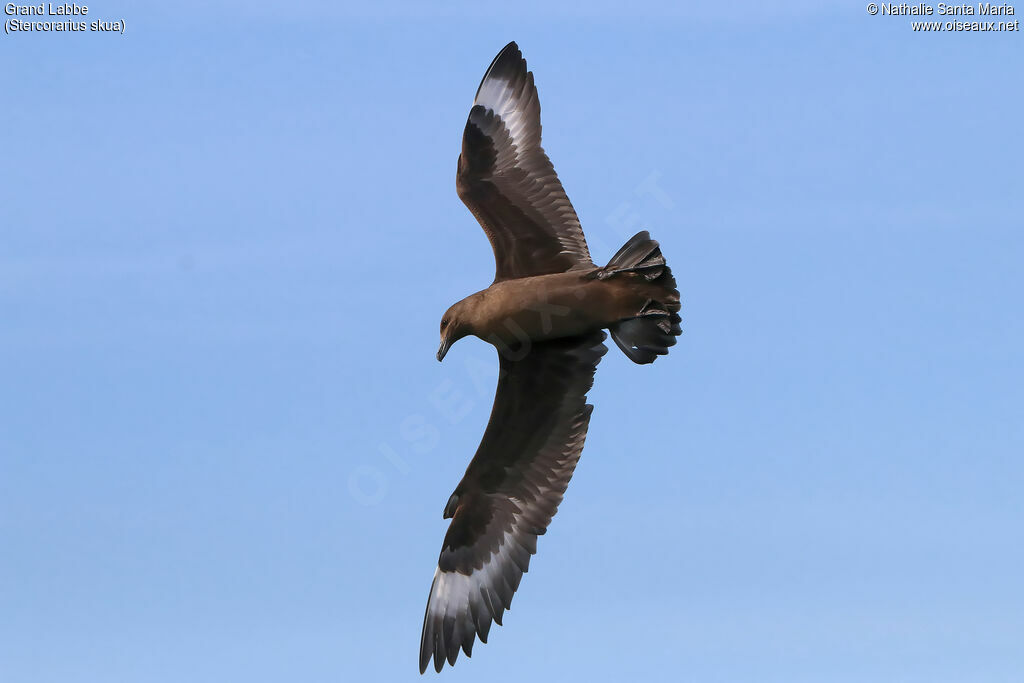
{"type": "Point", "coordinates": [640, 254]}
{"type": "Point", "coordinates": [655, 328]}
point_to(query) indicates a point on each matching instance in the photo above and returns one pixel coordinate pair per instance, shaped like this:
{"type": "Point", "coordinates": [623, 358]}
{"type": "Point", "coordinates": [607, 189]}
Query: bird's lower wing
{"type": "Point", "coordinates": [511, 490]}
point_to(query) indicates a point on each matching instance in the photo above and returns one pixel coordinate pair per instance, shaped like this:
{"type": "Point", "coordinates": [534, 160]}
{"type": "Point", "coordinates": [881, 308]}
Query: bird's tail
{"type": "Point", "coordinates": [651, 333]}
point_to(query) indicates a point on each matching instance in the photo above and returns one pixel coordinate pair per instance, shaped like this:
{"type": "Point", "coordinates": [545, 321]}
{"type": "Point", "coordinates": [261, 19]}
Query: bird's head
{"type": "Point", "coordinates": [454, 326]}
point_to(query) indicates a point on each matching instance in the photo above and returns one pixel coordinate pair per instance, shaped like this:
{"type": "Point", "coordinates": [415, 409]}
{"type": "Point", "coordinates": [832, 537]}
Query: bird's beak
{"type": "Point", "coordinates": [445, 345]}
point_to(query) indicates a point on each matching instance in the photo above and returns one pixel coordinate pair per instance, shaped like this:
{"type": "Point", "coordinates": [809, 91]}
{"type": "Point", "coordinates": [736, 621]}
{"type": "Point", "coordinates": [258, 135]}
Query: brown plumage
{"type": "Point", "coordinates": [545, 313]}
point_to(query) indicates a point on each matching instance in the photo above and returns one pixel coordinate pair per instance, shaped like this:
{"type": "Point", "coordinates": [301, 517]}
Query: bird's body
{"type": "Point", "coordinates": [544, 307]}
{"type": "Point", "coordinates": [545, 314]}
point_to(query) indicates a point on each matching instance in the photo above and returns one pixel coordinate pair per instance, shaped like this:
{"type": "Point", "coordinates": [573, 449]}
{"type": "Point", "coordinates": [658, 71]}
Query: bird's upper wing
{"type": "Point", "coordinates": [508, 182]}
{"type": "Point", "coordinates": [510, 491]}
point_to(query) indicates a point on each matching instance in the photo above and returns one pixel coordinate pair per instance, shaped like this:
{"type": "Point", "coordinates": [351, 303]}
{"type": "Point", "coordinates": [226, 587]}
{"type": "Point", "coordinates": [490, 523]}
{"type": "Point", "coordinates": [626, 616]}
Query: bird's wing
{"type": "Point", "coordinates": [508, 182]}
{"type": "Point", "coordinates": [510, 491]}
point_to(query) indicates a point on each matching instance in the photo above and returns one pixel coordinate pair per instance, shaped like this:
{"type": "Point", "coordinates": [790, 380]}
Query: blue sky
{"type": "Point", "coordinates": [228, 236]}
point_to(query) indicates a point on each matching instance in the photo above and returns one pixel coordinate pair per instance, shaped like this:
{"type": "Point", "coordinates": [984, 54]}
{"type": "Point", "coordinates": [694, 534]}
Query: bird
{"type": "Point", "coordinates": [545, 313]}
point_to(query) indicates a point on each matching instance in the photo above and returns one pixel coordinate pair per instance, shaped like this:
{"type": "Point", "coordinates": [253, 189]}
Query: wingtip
{"type": "Point", "coordinates": [424, 659]}
{"type": "Point", "coordinates": [509, 53]}
{"type": "Point", "coordinates": [512, 46]}
{"type": "Point", "coordinates": [425, 653]}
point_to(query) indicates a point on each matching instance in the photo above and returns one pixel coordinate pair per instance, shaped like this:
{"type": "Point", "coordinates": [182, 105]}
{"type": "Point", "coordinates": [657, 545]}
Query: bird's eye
{"type": "Point", "coordinates": [444, 322]}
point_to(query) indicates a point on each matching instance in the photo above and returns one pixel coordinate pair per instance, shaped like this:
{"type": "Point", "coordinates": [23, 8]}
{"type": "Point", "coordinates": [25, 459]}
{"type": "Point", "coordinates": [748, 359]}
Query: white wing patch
{"type": "Point", "coordinates": [516, 109]}
{"type": "Point", "coordinates": [462, 606]}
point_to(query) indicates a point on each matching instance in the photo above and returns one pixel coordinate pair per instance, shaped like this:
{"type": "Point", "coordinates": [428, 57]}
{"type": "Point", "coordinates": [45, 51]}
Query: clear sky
{"type": "Point", "coordinates": [227, 238]}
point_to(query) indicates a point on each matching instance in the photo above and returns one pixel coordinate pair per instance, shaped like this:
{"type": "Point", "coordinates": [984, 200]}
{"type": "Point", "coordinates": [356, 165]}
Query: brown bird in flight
{"type": "Point", "coordinates": [545, 313]}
